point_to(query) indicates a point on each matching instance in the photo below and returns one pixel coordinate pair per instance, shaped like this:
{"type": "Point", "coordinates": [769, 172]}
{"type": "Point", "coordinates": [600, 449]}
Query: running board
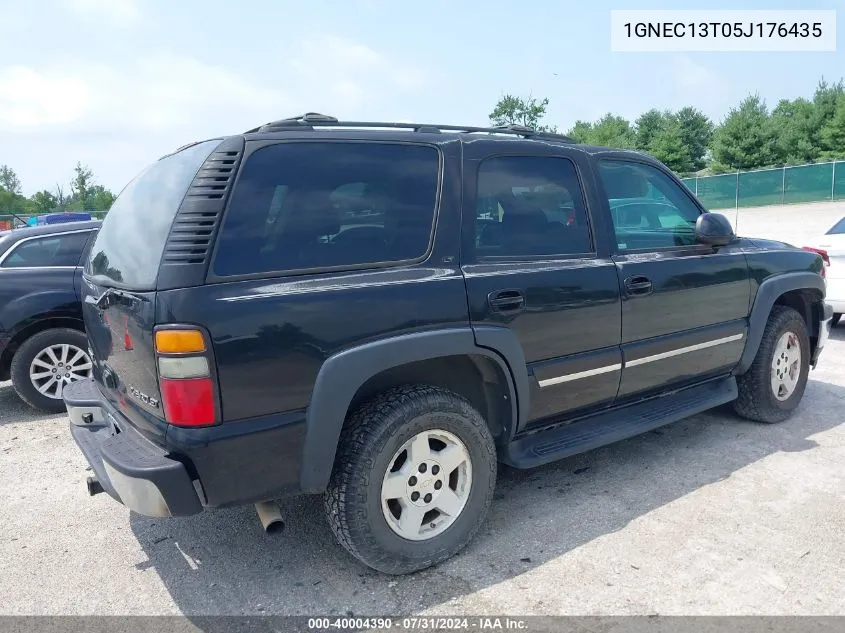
{"type": "Point", "coordinates": [611, 426]}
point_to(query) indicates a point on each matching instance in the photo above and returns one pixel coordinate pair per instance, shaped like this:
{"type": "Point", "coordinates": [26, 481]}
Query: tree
{"type": "Point", "coordinates": [61, 198]}
{"type": "Point", "coordinates": [9, 181]}
{"type": "Point", "coordinates": [660, 134]}
{"type": "Point", "coordinates": [43, 201]}
{"type": "Point", "coordinates": [669, 147]}
{"type": "Point", "coordinates": [832, 135]}
{"type": "Point", "coordinates": [609, 131]}
{"type": "Point", "coordinates": [581, 132]}
{"type": "Point", "coordinates": [513, 110]}
{"type": "Point", "coordinates": [82, 182]}
{"type": "Point", "coordinates": [696, 131]}
{"type": "Point", "coordinates": [649, 125]}
{"type": "Point", "coordinates": [746, 138]}
{"type": "Point", "coordinates": [793, 125]}
{"type": "Point", "coordinates": [99, 198]}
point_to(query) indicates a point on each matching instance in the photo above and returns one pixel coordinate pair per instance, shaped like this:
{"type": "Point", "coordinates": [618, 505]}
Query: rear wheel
{"type": "Point", "coordinates": [413, 478]}
{"type": "Point", "coordinates": [835, 320]}
{"type": "Point", "coordinates": [45, 363]}
{"type": "Point", "coordinates": [774, 385]}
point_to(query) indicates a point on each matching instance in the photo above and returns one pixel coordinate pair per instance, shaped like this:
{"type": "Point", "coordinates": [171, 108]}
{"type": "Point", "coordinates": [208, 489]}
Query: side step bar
{"type": "Point", "coordinates": [611, 426]}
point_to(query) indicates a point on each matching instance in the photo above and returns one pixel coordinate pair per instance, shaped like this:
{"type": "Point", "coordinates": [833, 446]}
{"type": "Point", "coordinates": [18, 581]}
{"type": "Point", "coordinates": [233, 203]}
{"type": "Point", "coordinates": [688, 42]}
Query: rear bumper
{"type": "Point", "coordinates": [222, 465]}
{"type": "Point", "coordinates": [130, 468]}
{"type": "Point", "coordinates": [824, 332]}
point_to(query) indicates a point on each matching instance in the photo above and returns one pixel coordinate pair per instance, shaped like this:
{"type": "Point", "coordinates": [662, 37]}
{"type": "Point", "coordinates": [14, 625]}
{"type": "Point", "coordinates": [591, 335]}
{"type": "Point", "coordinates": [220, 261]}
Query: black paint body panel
{"type": "Point", "coordinates": [291, 351]}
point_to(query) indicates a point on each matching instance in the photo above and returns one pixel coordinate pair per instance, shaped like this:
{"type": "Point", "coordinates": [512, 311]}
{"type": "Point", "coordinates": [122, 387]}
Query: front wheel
{"type": "Point", "coordinates": [45, 363]}
{"type": "Point", "coordinates": [413, 478]}
{"type": "Point", "coordinates": [773, 386]}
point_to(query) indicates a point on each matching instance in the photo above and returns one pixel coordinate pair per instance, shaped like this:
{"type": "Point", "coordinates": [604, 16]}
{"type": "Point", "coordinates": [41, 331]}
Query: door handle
{"type": "Point", "coordinates": [638, 285]}
{"type": "Point", "coordinates": [506, 300]}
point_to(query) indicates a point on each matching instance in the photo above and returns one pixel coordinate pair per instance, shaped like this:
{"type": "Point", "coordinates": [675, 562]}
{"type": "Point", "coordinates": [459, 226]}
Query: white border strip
{"type": "Point", "coordinates": [683, 350]}
{"type": "Point", "coordinates": [548, 382]}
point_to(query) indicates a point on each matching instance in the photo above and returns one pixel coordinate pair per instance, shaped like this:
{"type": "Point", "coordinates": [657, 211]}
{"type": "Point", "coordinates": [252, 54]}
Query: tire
{"type": "Point", "coordinates": [370, 442]}
{"type": "Point", "coordinates": [36, 346]}
{"type": "Point", "coordinates": [757, 399]}
{"type": "Point", "coordinates": [835, 320]}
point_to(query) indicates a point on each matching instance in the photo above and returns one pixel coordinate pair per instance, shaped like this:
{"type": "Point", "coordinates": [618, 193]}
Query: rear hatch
{"type": "Point", "coordinates": [119, 285]}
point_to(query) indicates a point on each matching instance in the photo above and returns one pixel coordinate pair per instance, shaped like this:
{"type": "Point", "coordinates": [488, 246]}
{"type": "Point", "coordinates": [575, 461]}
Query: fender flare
{"type": "Point", "coordinates": [21, 312]}
{"type": "Point", "coordinates": [767, 294]}
{"type": "Point", "coordinates": [342, 374]}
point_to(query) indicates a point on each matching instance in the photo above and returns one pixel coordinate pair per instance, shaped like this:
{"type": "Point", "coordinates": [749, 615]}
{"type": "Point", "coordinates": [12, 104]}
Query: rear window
{"type": "Point", "coordinates": [64, 249]}
{"type": "Point", "coordinates": [130, 243]}
{"type": "Point", "coordinates": [300, 206]}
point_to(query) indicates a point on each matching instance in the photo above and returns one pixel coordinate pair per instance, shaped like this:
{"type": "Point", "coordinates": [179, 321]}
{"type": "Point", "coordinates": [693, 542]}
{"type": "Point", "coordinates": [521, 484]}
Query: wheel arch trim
{"type": "Point", "coordinates": [768, 293]}
{"type": "Point", "coordinates": [342, 374]}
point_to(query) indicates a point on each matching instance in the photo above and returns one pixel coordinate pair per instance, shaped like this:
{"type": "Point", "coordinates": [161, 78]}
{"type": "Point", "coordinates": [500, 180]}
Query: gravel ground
{"type": "Point", "coordinates": [712, 515]}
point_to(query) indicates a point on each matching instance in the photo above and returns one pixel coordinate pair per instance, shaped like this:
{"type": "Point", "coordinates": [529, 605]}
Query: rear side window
{"type": "Point", "coordinates": [50, 250]}
{"type": "Point", "coordinates": [529, 206]}
{"type": "Point", "coordinates": [130, 242]}
{"type": "Point", "coordinates": [299, 206]}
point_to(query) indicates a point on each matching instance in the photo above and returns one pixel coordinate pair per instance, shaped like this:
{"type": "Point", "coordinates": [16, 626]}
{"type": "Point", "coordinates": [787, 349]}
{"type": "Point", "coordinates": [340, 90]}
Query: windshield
{"type": "Point", "coordinates": [129, 246]}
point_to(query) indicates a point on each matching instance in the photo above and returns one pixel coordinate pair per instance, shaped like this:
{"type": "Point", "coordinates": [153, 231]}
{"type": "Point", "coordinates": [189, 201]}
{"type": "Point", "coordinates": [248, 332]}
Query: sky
{"type": "Point", "coordinates": [115, 84]}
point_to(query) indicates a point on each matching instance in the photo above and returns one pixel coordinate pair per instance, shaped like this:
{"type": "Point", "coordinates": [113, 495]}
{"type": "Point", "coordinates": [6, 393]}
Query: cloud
{"type": "Point", "coordinates": [695, 83]}
{"type": "Point", "coordinates": [350, 75]}
{"type": "Point", "coordinates": [118, 117]}
{"type": "Point", "coordinates": [693, 76]}
{"type": "Point", "coordinates": [117, 12]}
{"type": "Point", "coordinates": [158, 93]}
{"type": "Point", "coordinates": [29, 98]}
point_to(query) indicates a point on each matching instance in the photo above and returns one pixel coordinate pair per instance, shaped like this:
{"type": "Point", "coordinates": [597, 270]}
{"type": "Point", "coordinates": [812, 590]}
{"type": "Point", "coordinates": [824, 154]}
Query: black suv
{"type": "Point", "coordinates": [42, 336]}
{"type": "Point", "coordinates": [380, 312]}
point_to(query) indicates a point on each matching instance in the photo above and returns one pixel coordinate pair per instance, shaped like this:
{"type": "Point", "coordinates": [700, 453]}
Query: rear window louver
{"type": "Point", "coordinates": [193, 230]}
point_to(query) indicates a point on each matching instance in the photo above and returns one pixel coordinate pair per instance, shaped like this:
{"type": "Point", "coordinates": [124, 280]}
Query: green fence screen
{"type": "Point", "coordinates": [783, 185]}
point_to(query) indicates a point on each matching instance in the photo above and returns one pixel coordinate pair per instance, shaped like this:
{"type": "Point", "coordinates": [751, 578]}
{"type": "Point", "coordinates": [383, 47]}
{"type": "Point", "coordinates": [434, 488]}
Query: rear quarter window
{"type": "Point", "coordinates": [318, 205]}
{"type": "Point", "coordinates": [129, 245]}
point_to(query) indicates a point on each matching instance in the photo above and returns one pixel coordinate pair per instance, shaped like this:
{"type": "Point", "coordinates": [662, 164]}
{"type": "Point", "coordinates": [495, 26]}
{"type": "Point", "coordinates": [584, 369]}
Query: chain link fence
{"type": "Point", "coordinates": [782, 185]}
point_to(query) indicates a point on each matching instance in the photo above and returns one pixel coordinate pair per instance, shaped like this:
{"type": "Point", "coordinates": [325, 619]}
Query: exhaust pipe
{"type": "Point", "coordinates": [94, 486]}
{"type": "Point", "coordinates": [270, 517]}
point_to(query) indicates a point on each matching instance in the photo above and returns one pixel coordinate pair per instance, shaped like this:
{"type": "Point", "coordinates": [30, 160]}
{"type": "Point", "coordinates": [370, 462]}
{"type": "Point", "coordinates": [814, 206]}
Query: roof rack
{"type": "Point", "coordinates": [310, 120]}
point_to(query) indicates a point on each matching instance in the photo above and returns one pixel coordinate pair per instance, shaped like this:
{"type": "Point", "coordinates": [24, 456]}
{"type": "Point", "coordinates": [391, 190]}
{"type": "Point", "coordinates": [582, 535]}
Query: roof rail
{"type": "Point", "coordinates": [310, 120]}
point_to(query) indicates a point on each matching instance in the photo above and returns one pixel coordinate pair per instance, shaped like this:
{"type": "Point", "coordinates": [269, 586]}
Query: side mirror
{"type": "Point", "coordinates": [714, 229]}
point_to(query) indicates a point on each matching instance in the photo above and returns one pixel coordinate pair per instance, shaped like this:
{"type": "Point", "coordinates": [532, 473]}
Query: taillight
{"type": "Point", "coordinates": [823, 253]}
{"type": "Point", "coordinates": [188, 401]}
{"type": "Point", "coordinates": [184, 376]}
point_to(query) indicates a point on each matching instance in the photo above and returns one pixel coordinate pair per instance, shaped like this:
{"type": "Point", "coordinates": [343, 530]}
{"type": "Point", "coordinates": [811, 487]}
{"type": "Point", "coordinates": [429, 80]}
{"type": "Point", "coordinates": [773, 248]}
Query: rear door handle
{"type": "Point", "coordinates": [638, 285]}
{"type": "Point", "coordinates": [506, 300]}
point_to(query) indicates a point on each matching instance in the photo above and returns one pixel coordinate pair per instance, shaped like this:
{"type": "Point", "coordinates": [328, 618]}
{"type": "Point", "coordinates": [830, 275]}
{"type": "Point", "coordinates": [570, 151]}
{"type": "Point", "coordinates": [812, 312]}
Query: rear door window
{"type": "Point", "coordinates": [130, 242]}
{"type": "Point", "coordinates": [304, 206]}
{"type": "Point", "coordinates": [64, 249]}
{"type": "Point", "coordinates": [530, 207]}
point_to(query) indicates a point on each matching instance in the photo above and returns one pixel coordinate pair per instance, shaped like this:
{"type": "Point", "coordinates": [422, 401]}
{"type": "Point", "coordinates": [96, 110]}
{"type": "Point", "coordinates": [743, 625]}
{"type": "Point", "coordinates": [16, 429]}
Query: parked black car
{"type": "Point", "coordinates": [42, 337]}
{"type": "Point", "coordinates": [380, 315]}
